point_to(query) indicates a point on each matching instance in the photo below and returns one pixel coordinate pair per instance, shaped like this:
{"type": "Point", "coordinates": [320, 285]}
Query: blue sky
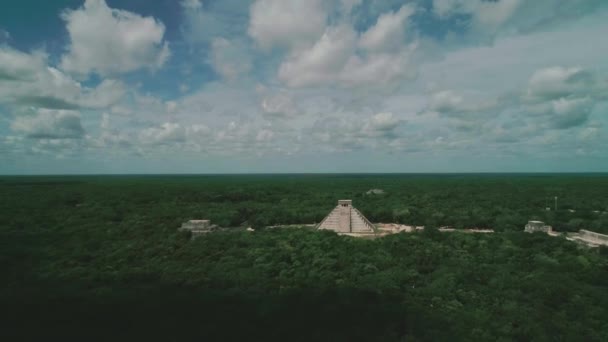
{"type": "Point", "coordinates": [239, 86]}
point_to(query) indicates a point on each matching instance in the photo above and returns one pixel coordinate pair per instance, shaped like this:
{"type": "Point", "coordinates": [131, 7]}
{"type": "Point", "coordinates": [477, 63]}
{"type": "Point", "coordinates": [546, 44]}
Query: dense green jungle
{"type": "Point", "coordinates": [100, 258]}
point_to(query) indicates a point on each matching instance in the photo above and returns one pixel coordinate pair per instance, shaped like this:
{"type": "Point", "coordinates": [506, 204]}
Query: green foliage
{"type": "Point", "coordinates": [86, 257]}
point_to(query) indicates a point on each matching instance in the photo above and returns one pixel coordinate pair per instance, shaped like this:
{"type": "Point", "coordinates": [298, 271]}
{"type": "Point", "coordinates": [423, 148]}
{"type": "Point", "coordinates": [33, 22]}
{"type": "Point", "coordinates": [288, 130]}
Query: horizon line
{"type": "Point", "coordinates": [305, 173]}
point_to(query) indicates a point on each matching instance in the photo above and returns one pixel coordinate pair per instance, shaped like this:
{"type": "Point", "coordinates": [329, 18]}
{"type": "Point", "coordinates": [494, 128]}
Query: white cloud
{"type": "Point", "coordinates": [26, 79]}
{"type": "Point", "coordinates": [110, 137]}
{"type": "Point", "coordinates": [589, 133]}
{"type": "Point", "coordinates": [571, 112]}
{"type": "Point", "coordinates": [486, 15]}
{"type": "Point", "coordinates": [49, 124]}
{"type": "Point", "coordinates": [171, 106]}
{"type": "Point", "coordinates": [226, 18]}
{"type": "Point", "coordinates": [192, 4]}
{"type": "Point", "coordinates": [520, 88]}
{"type": "Point", "coordinates": [446, 101]}
{"type": "Point", "coordinates": [323, 62]}
{"type": "Point", "coordinates": [110, 41]}
{"type": "Point", "coordinates": [564, 113]}
{"type": "Point", "coordinates": [286, 22]}
{"type": "Point", "coordinates": [264, 135]}
{"type": "Point", "coordinates": [19, 66]}
{"type": "Point", "coordinates": [493, 14]}
{"type": "Point", "coordinates": [566, 96]}
{"type": "Point", "coordinates": [491, 19]}
{"type": "Point", "coordinates": [167, 133]}
{"type": "Point", "coordinates": [556, 82]}
{"type": "Point", "coordinates": [279, 104]}
{"type": "Point", "coordinates": [451, 103]}
{"type": "Point", "coordinates": [229, 59]}
{"type": "Point", "coordinates": [389, 31]}
{"type": "Point", "coordinates": [378, 69]}
{"type": "Point", "coordinates": [384, 122]}
{"type": "Point", "coordinates": [342, 57]}
{"type": "Point", "coordinates": [106, 93]}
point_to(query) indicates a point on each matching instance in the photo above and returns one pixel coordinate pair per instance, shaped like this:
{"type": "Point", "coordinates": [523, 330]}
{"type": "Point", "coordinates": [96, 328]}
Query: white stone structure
{"type": "Point", "coordinates": [346, 219]}
{"type": "Point", "coordinates": [198, 226]}
{"type": "Point", "coordinates": [537, 226]}
{"type": "Point", "coordinates": [591, 239]}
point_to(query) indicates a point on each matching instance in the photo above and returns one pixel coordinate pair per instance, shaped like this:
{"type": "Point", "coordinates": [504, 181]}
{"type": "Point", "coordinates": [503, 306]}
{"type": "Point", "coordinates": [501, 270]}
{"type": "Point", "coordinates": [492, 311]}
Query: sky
{"type": "Point", "coordinates": [272, 86]}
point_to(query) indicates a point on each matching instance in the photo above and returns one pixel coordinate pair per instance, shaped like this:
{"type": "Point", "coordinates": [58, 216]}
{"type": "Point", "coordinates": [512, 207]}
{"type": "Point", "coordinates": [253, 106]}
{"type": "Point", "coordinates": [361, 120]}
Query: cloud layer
{"type": "Point", "coordinates": [311, 85]}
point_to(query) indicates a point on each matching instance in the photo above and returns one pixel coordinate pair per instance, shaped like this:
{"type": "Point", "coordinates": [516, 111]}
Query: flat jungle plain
{"type": "Point", "coordinates": [100, 257]}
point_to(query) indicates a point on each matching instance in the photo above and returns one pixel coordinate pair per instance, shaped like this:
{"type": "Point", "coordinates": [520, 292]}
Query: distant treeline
{"type": "Point", "coordinates": [500, 202]}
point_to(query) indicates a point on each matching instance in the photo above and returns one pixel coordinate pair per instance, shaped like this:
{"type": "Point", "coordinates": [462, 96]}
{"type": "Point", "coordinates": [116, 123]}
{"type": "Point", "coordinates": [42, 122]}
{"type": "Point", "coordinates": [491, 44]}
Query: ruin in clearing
{"type": "Point", "coordinates": [345, 218]}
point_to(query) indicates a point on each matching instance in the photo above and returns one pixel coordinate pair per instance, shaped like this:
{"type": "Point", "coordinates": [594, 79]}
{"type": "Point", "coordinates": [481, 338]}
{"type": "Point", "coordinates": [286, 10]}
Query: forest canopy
{"type": "Point", "coordinates": [101, 257]}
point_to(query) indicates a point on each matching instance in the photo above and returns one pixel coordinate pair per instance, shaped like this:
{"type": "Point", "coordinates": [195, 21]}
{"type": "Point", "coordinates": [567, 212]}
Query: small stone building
{"type": "Point", "coordinates": [537, 226]}
{"type": "Point", "coordinates": [198, 226]}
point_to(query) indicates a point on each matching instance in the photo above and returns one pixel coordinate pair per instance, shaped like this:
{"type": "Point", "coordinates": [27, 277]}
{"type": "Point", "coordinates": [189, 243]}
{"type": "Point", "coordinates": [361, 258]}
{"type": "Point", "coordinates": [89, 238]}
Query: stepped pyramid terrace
{"type": "Point", "coordinates": [345, 218]}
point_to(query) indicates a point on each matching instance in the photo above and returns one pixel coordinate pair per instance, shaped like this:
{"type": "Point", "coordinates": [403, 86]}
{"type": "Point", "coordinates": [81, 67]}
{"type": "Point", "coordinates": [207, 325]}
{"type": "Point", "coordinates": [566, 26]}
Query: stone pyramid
{"type": "Point", "coordinates": [345, 218]}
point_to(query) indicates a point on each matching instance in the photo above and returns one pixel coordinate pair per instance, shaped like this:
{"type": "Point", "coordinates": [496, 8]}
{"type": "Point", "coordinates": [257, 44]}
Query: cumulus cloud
{"type": "Point", "coordinates": [229, 59]}
{"type": "Point", "coordinates": [264, 135]}
{"type": "Point", "coordinates": [563, 113]}
{"type": "Point", "coordinates": [19, 66]}
{"type": "Point", "coordinates": [26, 79]}
{"type": "Point", "coordinates": [108, 92]}
{"type": "Point", "coordinates": [486, 14]}
{"type": "Point", "coordinates": [378, 69]}
{"type": "Point", "coordinates": [168, 132]}
{"type": "Point", "coordinates": [446, 101]}
{"type": "Point", "coordinates": [340, 133]}
{"type": "Point", "coordinates": [49, 124]}
{"type": "Point", "coordinates": [343, 57]}
{"type": "Point", "coordinates": [451, 103]}
{"type": "Point", "coordinates": [589, 134]}
{"type": "Point", "coordinates": [389, 31]}
{"type": "Point", "coordinates": [215, 19]}
{"type": "Point", "coordinates": [110, 137]}
{"type": "Point", "coordinates": [557, 82]}
{"type": "Point", "coordinates": [279, 104]}
{"type": "Point", "coordinates": [110, 41]}
{"type": "Point", "coordinates": [286, 22]}
{"type": "Point", "coordinates": [570, 112]}
{"type": "Point", "coordinates": [381, 125]}
{"type": "Point", "coordinates": [384, 122]}
{"type": "Point", "coordinates": [35, 84]}
{"type": "Point", "coordinates": [489, 19]}
{"type": "Point", "coordinates": [566, 96]}
{"type": "Point", "coordinates": [321, 63]}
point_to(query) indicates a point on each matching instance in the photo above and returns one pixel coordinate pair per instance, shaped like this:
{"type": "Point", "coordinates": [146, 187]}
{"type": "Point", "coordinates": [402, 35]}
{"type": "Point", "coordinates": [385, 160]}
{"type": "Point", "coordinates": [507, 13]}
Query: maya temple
{"type": "Point", "coordinates": [345, 218]}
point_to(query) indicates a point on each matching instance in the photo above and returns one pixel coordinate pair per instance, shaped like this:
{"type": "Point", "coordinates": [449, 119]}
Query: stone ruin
{"type": "Point", "coordinates": [591, 239]}
{"type": "Point", "coordinates": [586, 237]}
{"type": "Point", "coordinates": [197, 227]}
{"type": "Point", "coordinates": [537, 226]}
{"type": "Point", "coordinates": [345, 218]}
